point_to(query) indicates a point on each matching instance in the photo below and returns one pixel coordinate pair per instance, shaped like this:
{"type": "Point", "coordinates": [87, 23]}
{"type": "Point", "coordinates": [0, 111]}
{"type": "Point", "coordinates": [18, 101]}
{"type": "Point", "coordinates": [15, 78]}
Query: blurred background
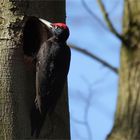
{"type": "Point", "coordinates": [93, 86]}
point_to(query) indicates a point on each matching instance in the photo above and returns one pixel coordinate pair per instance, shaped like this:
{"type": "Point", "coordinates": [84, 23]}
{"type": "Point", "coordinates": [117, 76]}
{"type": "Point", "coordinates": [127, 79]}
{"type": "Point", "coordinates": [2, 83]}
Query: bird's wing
{"type": "Point", "coordinates": [52, 65]}
{"type": "Point", "coordinates": [51, 71]}
{"type": "Point", "coordinates": [45, 72]}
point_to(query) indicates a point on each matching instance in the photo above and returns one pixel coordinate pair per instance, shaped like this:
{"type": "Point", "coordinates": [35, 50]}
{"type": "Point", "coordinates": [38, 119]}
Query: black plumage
{"type": "Point", "coordinates": [52, 60]}
{"type": "Point", "coordinates": [52, 68]}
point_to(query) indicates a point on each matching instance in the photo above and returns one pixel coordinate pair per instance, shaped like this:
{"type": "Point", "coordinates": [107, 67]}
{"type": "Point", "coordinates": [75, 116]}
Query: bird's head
{"type": "Point", "coordinates": [60, 30]}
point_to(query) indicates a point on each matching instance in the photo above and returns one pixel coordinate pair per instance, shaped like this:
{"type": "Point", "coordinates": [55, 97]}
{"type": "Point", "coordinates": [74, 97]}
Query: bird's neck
{"type": "Point", "coordinates": [54, 39]}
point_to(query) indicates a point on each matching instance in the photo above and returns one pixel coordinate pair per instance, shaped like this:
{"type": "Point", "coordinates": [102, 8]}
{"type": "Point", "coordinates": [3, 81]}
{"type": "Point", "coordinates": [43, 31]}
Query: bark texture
{"type": "Point", "coordinates": [16, 82]}
{"type": "Point", "coordinates": [127, 116]}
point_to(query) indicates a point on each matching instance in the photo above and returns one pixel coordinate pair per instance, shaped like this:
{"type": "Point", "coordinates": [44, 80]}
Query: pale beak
{"type": "Point", "coordinates": [47, 23]}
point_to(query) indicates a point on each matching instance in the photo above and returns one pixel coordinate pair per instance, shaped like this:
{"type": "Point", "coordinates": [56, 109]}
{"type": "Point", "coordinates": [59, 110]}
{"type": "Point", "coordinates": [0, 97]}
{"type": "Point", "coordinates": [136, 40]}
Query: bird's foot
{"type": "Point", "coordinates": [38, 103]}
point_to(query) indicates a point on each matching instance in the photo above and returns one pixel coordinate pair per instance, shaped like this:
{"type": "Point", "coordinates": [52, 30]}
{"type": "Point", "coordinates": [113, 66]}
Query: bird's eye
{"type": "Point", "coordinates": [57, 30]}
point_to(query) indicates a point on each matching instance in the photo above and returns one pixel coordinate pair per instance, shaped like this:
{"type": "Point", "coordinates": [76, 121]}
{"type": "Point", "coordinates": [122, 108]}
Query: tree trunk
{"type": "Point", "coordinates": [127, 117]}
{"type": "Point", "coordinates": [16, 82]}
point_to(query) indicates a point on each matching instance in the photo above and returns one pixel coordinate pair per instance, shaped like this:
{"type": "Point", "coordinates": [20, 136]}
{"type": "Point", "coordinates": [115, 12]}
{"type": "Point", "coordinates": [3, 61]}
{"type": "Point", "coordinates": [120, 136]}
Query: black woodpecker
{"type": "Point", "coordinates": [44, 46]}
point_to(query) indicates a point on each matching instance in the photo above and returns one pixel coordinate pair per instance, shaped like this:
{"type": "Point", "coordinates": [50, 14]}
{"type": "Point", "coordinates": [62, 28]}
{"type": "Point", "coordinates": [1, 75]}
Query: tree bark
{"type": "Point", "coordinates": [16, 82]}
{"type": "Point", "coordinates": [127, 116]}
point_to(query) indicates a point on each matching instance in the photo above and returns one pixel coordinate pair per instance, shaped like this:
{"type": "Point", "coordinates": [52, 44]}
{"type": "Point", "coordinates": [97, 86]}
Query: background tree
{"type": "Point", "coordinates": [127, 116]}
{"type": "Point", "coordinates": [16, 82]}
{"type": "Point", "coordinates": [128, 109]}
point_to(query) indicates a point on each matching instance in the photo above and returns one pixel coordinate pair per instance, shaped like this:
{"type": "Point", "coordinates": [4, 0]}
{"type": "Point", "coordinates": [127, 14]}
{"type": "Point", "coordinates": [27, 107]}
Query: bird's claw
{"type": "Point", "coordinates": [38, 103]}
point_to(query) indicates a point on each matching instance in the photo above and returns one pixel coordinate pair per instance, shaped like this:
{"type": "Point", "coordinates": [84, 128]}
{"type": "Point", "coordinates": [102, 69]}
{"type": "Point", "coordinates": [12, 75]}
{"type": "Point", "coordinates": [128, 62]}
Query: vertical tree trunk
{"type": "Point", "coordinates": [127, 117]}
{"type": "Point", "coordinates": [16, 83]}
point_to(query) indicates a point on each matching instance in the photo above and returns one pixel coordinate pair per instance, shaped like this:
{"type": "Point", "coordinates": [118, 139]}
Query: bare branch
{"type": "Point", "coordinates": [92, 14]}
{"type": "Point", "coordinates": [91, 55]}
{"type": "Point", "coordinates": [109, 23]}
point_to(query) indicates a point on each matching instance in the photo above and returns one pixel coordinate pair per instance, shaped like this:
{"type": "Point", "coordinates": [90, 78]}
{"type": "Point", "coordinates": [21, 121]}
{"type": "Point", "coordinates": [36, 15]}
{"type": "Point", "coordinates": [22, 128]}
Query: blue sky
{"type": "Point", "coordinates": [93, 87]}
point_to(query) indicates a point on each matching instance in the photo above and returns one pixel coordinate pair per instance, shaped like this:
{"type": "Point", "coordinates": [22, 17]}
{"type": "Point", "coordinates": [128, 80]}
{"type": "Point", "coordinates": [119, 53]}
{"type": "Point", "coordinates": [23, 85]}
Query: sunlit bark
{"type": "Point", "coordinates": [16, 82]}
